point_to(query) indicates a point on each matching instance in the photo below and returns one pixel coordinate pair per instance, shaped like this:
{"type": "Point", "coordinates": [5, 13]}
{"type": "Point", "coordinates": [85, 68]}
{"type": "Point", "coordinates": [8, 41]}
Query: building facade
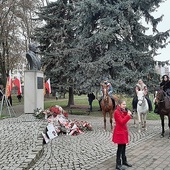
{"type": "Point", "coordinates": [162, 70]}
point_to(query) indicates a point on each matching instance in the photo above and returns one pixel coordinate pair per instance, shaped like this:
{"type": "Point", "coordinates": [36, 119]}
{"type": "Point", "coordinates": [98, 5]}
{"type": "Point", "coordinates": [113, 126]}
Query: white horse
{"type": "Point", "coordinates": [142, 110]}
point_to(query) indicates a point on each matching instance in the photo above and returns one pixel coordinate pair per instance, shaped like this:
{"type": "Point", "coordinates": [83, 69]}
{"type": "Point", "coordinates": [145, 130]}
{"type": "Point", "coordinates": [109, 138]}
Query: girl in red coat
{"type": "Point", "coordinates": [120, 133]}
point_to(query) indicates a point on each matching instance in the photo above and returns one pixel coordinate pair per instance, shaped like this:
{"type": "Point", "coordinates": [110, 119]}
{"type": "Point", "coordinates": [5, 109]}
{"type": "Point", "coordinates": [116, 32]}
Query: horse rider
{"type": "Point", "coordinates": [141, 86]}
{"type": "Point", "coordinates": [110, 92]}
{"type": "Point", "coordinates": [165, 84]}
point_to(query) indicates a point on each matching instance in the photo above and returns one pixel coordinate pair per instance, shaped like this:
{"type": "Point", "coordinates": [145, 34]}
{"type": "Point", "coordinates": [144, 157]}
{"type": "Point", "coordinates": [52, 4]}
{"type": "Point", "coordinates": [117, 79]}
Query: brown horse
{"type": "Point", "coordinates": [107, 105]}
{"type": "Point", "coordinates": [163, 102]}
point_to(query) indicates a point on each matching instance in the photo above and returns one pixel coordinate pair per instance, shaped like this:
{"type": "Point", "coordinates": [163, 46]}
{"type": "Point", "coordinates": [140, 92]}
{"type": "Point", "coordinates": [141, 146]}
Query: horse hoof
{"type": "Point", "coordinates": [162, 136]}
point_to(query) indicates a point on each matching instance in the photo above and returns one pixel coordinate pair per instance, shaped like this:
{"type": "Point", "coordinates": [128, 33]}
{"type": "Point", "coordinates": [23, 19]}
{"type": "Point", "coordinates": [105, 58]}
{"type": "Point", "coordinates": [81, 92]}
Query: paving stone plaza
{"type": "Point", "coordinates": [21, 146]}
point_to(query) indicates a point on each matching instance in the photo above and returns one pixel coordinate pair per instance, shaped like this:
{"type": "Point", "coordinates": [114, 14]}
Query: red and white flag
{"type": "Point", "coordinates": [17, 82]}
{"type": "Point", "coordinates": [48, 86]}
{"type": "Point", "coordinates": [8, 85]}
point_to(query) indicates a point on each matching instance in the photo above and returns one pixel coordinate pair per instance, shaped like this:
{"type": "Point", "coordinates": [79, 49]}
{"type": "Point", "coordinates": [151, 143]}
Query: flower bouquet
{"type": "Point", "coordinates": [58, 118]}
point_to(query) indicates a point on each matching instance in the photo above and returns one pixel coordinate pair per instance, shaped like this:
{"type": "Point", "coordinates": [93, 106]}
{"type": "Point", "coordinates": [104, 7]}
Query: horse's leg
{"type": "Point", "coordinates": [162, 123]}
{"type": "Point", "coordinates": [143, 122]}
{"type": "Point", "coordinates": [111, 120]}
{"type": "Point", "coordinates": [169, 125]}
{"type": "Point", "coordinates": [104, 116]}
{"type": "Point", "coordinates": [144, 118]}
{"type": "Point", "coordinates": [139, 122]}
{"type": "Point", "coordinates": [134, 117]}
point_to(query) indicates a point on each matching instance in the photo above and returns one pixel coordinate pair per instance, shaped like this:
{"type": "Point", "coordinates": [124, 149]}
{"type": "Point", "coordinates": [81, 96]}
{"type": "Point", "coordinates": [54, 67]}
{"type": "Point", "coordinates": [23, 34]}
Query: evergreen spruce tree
{"type": "Point", "coordinates": [85, 41]}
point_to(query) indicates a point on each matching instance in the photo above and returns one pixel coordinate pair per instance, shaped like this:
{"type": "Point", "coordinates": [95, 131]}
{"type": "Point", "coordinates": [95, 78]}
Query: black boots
{"type": "Point", "coordinates": [119, 165]}
{"type": "Point", "coordinates": [126, 163]}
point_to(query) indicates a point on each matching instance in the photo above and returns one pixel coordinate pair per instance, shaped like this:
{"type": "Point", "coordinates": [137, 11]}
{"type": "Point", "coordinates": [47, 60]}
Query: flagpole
{"type": "Point", "coordinates": [1, 102]}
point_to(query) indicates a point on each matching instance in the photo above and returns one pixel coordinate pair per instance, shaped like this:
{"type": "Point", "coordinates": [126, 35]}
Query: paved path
{"type": "Point", "coordinates": [93, 150]}
{"type": "Point", "coordinates": [21, 147]}
{"type": "Point", "coordinates": [20, 140]}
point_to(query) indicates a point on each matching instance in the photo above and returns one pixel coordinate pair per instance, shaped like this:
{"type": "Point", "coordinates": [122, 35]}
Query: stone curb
{"type": "Point", "coordinates": [35, 154]}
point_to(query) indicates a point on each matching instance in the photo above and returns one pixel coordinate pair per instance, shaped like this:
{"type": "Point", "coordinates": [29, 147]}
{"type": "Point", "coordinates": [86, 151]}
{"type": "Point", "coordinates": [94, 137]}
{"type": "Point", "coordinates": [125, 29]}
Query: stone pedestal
{"type": "Point", "coordinates": [33, 91]}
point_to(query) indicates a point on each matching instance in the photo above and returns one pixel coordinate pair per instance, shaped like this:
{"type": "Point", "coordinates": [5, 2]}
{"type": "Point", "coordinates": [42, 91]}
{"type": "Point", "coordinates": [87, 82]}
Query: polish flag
{"type": "Point", "coordinates": [17, 82]}
{"type": "Point", "coordinates": [48, 86]}
{"type": "Point", "coordinates": [8, 85]}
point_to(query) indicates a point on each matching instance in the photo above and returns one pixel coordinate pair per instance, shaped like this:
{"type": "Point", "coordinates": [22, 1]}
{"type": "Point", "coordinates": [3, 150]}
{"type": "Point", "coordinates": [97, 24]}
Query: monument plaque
{"type": "Point", "coordinates": [40, 83]}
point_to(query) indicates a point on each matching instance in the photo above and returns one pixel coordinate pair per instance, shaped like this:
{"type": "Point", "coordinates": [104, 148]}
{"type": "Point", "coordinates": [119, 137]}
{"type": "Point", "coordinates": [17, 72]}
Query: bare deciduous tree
{"type": "Point", "coordinates": [17, 26]}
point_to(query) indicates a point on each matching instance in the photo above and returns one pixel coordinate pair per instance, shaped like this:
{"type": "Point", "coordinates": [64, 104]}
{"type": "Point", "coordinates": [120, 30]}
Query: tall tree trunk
{"type": "Point", "coordinates": [71, 97]}
{"type": "Point", "coordinates": [3, 75]}
{"type": "Point", "coordinates": [3, 65]}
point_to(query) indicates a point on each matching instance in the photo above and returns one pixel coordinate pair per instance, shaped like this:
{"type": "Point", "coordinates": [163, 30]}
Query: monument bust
{"type": "Point", "coordinates": [33, 60]}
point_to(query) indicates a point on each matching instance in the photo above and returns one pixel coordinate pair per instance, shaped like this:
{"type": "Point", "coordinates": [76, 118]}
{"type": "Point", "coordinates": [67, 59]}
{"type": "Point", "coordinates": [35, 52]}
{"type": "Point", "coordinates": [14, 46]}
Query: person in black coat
{"type": "Point", "coordinates": [91, 97]}
{"type": "Point", "coordinates": [165, 84]}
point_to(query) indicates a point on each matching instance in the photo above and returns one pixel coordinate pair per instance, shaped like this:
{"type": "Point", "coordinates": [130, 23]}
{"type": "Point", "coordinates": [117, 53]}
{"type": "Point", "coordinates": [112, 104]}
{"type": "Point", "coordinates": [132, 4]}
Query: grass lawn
{"type": "Point", "coordinates": [80, 100]}
{"type": "Point", "coordinates": [83, 100]}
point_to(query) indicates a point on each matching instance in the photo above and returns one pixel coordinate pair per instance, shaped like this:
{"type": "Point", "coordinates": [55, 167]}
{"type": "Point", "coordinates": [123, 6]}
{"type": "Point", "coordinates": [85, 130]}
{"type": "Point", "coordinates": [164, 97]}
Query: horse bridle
{"type": "Point", "coordinates": [142, 99]}
{"type": "Point", "coordinates": [161, 101]}
{"type": "Point", "coordinates": [105, 95]}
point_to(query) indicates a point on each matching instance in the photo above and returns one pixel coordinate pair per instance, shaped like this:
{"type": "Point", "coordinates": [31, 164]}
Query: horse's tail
{"type": "Point", "coordinates": [114, 103]}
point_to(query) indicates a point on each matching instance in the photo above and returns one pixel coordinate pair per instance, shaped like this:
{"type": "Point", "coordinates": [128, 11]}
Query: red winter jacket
{"type": "Point", "coordinates": [120, 132]}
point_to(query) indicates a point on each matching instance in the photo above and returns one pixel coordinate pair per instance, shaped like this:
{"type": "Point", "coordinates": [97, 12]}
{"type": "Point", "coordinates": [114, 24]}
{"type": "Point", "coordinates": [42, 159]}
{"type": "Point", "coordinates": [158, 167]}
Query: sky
{"type": "Point", "coordinates": [163, 26]}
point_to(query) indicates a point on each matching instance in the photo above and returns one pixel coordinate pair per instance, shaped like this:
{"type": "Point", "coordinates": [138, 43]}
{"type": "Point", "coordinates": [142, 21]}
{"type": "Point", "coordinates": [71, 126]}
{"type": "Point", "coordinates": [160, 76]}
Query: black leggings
{"type": "Point", "coordinates": [121, 151]}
